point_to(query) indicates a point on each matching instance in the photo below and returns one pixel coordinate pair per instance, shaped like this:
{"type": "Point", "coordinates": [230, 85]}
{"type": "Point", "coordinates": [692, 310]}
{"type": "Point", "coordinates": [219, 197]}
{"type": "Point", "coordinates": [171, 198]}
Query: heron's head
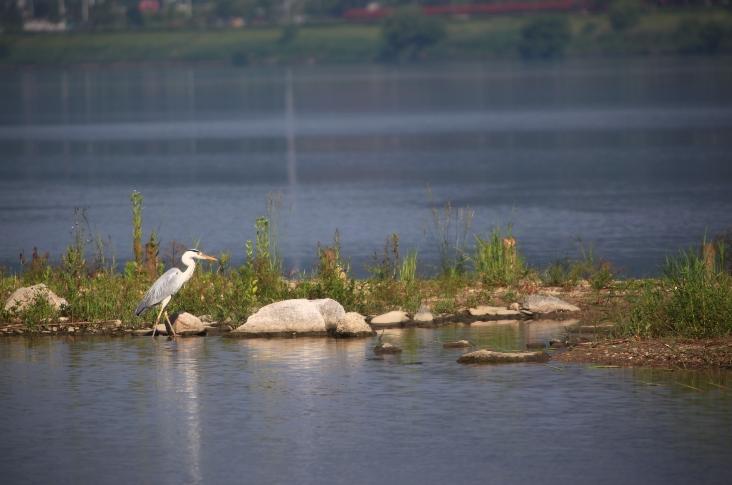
{"type": "Point", "coordinates": [196, 254]}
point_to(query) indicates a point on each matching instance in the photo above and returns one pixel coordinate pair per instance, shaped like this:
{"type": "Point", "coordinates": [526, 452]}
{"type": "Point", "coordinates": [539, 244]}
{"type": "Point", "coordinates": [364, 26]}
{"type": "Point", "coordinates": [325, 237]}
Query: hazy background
{"type": "Point", "coordinates": [605, 122]}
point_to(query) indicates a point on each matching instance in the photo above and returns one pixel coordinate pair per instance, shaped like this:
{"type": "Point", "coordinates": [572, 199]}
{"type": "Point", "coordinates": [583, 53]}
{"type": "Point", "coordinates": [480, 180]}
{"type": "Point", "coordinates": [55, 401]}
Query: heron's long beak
{"type": "Point", "coordinates": [206, 256]}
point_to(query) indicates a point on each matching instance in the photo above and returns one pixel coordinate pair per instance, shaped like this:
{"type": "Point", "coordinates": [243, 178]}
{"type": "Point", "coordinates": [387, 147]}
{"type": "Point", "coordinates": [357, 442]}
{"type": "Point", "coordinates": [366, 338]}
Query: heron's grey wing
{"type": "Point", "coordinates": [163, 287]}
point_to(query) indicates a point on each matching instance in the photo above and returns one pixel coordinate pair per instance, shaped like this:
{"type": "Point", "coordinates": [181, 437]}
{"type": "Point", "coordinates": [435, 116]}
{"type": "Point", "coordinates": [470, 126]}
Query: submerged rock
{"type": "Point", "coordinates": [23, 297]}
{"type": "Point", "coordinates": [458, 344]}
{"type": "Point", "coordinates": [353, 325]}
{"type": "Point", "coordinates": [290, 317]}
{"type": "Point", "coordinates": [547, 304]}
{"type": "Point", "coordinates": [386, 348]}
{"type": "Point", "coordinates": [492, 357]}
{"type": "Point", "coordinates": [395, 317]}
{"type": "Point", "coordinates": [486, 310]}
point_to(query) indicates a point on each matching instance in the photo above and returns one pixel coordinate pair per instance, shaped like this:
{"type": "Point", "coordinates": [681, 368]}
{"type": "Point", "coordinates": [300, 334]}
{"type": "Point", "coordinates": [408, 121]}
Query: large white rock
{"type": "Point", "coordinates": [23, 297]}
{"type": "Point", "coordinates": [485, 310]}
{"type": "Point", "coordinates": [331, 310]}
{"type": "Point", "coordinates": [293, 316]}
{"type": "Point", "coordinates": [547, 304]}
{"type": "Point", "coordinates": [391, 318]}
{"type": "Point", "coordinates": [353, 325]}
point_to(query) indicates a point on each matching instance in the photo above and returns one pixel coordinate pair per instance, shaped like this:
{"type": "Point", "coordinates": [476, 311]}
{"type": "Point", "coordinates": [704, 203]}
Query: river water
{"type": "Point", "coordinates": [631, 157]}
{"type": "Point", "coordinates": [322, 411]}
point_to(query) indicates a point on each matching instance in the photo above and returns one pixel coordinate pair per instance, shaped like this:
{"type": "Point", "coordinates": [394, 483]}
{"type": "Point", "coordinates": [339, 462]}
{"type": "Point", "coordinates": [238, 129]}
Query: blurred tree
{"type": "Point", "coordinates": [696, 37]}
{"type": "Point", "coordinates": [406, 34]}
{"type": "Point", "coordinates": [134, 17]}
{"type": "Point", "coordinates": [46, 9]}
{"type": "Point", "coordinates": [545, 38]}
{"type": "Point", "coordinates": [11, 18]}
{"type": "Point", "coordinates": [247, 9]}
{"type": "Point", "coordinates": [107, 15]}
{"type": "Point", "coordinates": [624, 14]}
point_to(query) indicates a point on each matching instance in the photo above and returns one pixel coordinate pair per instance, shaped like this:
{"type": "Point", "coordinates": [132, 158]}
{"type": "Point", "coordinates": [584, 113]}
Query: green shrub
{"type": "Point", "coordinates": [624, 14]}
{"type": "Point", "coordinates": [331, 278]}
{"type": "Point", "coordinates": [560, 273]}
{"type": "Point", "coordinates": [445, 305]}
{"type": "Point", "coordinates": [264, 262]}
{"type": "Point", "coordinates": [408, 270]}
{"type": "Point", "coordinates": [386, 266]}
{"type": "Point", "coordinates": [497, 260]}
{"type": "Point", "coordinates": [695, 37]}
{"type": "Point", "coordinates": [545, 38]}
{"type": "Point", "coordinates": [407, 34]}
{"type": "Point", "coordinates": [692, 300]}
{"type": "Point", "coordinates": [39, 311]}
{"type": "Point", "coordinates": [450, 228]}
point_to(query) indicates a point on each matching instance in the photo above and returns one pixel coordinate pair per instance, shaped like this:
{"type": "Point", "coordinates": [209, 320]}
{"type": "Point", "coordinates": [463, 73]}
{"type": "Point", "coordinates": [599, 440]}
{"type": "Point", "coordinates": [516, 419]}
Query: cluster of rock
{"type": "Point", "coordinates": [303, 317]}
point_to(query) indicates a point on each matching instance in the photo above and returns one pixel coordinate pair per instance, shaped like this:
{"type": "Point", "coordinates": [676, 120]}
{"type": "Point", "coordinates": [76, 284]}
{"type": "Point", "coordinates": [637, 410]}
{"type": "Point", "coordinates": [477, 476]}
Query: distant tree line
{"type": "Point", "coordinates": [180, 13]}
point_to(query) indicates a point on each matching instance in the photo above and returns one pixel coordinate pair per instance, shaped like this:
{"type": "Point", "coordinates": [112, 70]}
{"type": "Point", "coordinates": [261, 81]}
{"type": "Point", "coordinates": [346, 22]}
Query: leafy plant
{"type": "Point", "coordinates": [39, 311]}
{"type": "Point", "coordinates": [407, 34]}
{"type": "Point", "coordinates": [692, 300]}
{"type": "Point", "coordinates": [624, 14]}
{"type": "Point", "coordinates": [560, 273]}
{"type": "Point", "coordinates": [408, 270]}
{"type": "Point", "coordinates": [696, 37]}
{"type": "Point", "coordinates": [263, 261]}
{"type": "Point", "coordinates": [450, 228]}
{"type": "Point", "coordinates": [497, 260]}
{"type": "Point", "coordinates": [386, 266]}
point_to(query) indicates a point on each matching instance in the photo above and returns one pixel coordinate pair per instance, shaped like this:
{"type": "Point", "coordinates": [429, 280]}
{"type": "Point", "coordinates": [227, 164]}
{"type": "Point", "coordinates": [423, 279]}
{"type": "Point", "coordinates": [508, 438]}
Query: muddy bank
{"type": "Point", "coordinates": [657, 353]}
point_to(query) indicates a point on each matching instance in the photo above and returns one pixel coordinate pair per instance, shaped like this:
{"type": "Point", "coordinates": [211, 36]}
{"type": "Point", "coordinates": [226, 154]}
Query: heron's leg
{"type": "Point", "coordinates": [172, 330]}
{"type": "Point", "coordinates": [155, 325]}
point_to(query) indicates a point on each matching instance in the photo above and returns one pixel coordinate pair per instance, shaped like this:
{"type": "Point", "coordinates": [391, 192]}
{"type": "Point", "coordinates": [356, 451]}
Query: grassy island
{"type": "Point", "coordinates": [691, 300]}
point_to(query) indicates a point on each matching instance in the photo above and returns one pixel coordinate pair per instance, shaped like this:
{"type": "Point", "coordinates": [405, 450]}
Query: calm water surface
{"type": "Point", "coordinates": [633, 157]}
{"type": "Point", "coordinates": [215, 410]}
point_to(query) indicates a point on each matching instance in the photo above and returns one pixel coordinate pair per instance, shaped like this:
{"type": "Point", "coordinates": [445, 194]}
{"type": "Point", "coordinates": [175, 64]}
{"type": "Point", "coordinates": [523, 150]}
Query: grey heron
{"type": "Point", "coordinates": [169, 284]}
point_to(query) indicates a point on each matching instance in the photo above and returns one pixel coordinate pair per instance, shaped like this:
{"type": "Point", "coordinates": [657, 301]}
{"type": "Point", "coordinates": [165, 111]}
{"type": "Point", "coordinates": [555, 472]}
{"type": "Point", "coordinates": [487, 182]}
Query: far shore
{"type": "Point", "coordinates": [479, 39]}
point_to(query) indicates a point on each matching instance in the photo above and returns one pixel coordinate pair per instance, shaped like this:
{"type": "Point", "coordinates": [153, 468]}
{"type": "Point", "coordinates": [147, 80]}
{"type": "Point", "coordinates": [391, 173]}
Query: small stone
{"type": "Point", "coordinates": [485, 310]}
{"type": "Point", "coordinates": [71, 329]}
{"type": "Point", "coordinates": [63, 319]}
{"type": "Point", "coordinates": [353, 325]}
{"type": "Point", "coordinates": [185, 323]}
{"type": "Point", "coordinates": [514, 306]}
{"type": "Point", "coordinates": [386, 348]}
{"type": "Point", "coordinates": [396, 317]}
{"type": "Point", "coordinates": [492, 357]}
{"type": "Point", "coordinates": [456, 345]}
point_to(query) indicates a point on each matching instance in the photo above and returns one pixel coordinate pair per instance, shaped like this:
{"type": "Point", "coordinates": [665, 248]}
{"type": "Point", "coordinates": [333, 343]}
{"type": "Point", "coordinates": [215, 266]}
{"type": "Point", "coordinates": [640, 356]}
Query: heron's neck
{"type": "Point", "coordinates": [190, 265]}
